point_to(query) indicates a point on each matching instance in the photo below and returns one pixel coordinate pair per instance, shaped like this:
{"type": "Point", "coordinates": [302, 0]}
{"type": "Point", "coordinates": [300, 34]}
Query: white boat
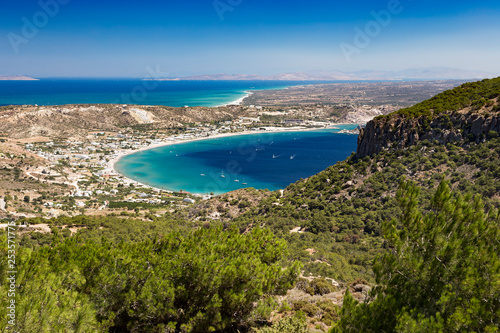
{"type": "Point", "coordinates": [222, 174]}
{"type": "Point", "coordinates": [292, 157]}
{"type": "Point", "coordinates": [236, 180]}
{"type": "Point", "coordinates": [202, 174]}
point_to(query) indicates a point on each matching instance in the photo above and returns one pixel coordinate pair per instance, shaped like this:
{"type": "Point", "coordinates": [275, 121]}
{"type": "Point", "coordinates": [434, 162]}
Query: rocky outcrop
{"type": "Point", "coordinates": [399, 131]}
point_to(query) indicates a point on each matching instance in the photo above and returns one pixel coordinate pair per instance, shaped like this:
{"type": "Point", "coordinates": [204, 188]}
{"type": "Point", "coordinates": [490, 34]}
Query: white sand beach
{"type": "Point", "coordinates": [239, 100]}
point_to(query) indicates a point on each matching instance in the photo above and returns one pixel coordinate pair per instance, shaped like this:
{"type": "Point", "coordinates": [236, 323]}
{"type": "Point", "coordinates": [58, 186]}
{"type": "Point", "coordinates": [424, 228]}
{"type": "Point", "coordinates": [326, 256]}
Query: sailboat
{"type": "Point", "coordinates": [244, 182]}
{"type": "Point", "coordinates": [222, 174]}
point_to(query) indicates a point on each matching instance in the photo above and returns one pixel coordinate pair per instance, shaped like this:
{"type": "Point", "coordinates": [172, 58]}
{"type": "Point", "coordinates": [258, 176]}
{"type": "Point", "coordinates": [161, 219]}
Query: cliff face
{"type": "Point", "coordinates": [399, 131]}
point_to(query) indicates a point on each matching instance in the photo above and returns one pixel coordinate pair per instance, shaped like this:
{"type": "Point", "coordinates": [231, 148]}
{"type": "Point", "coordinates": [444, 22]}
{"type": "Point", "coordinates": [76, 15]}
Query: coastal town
{"type": "Point", "coordinates": [60, 160]}
{"type": "Point", "coordinates": [85, 167]}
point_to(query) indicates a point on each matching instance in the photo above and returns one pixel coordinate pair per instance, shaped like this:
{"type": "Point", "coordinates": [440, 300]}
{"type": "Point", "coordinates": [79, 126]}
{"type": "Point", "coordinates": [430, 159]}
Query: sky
{"type": "Point", "coordinates": [164, 38]}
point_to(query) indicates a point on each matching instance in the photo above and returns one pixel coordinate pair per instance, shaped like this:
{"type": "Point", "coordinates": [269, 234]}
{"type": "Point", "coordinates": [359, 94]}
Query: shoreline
{"type": "Point", "coordinates": [249, 93]}
{"type": "Point", "coordinates": [111, 164]}
{"type": "Point", "coordinates": [239, 101]}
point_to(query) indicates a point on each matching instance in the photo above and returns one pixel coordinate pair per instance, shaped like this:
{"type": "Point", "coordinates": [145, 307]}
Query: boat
{"type": "Point", "coordinates": [202, 174]}
{"type": "Point", "coordinates": [222, 174]}
{"type": "Point", "coordinates": [292, 157]}
{"type": "Point", "coordinates": [236, 180]}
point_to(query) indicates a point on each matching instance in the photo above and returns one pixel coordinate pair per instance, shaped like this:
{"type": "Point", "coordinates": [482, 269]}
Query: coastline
{"type": "Point", "coordinates": [111, 169]}
{"type": "Point", "coordinates": [238, 101]}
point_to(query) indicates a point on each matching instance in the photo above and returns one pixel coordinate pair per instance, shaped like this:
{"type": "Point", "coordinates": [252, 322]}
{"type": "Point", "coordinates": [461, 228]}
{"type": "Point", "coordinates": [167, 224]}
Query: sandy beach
{"type": "Point", "coordinates": [238, 101]}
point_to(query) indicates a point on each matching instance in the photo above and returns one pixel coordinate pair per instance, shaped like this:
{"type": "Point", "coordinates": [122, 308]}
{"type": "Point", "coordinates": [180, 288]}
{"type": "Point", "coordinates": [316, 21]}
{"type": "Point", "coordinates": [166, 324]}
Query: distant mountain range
{"type": "Point", "coordinates": [16, 78]}
{"type": "Point", "coordinates": [435, 73]}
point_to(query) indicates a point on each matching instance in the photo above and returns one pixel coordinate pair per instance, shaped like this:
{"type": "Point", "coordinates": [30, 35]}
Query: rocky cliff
{"type": "Point", "coordinates": [399, 131]}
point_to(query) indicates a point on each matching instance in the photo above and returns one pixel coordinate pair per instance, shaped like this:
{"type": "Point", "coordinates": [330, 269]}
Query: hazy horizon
{"type": "Point", "coordinates": [132, 39]}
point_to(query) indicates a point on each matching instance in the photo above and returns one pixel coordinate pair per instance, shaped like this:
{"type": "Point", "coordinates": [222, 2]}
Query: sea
{"type": "Point", "coordinates": [133, 91]}
{"type": "Point", "coordinates": [263, 161]}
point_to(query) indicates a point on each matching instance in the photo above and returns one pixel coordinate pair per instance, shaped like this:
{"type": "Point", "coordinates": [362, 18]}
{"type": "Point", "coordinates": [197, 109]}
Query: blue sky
{"type": "Point", "coordinates": [125, 38]}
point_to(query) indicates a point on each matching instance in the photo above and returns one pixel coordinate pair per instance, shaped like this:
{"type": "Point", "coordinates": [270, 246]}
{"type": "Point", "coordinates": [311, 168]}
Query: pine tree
{"type": "Point", "coordinates": [441, 273]}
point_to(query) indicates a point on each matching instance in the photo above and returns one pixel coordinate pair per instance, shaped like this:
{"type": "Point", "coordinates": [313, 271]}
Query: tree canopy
{"type": "Point", "coordinates": [442, 273]}
{"type": "Point", "coordinates": [472, 95]}
{"type": "Point", "coordinates": [208, 280]}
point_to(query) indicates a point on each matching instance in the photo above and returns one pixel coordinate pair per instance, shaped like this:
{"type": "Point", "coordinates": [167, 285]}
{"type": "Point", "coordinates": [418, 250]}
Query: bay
{"type": "Point", "coordinates": [262, 161]}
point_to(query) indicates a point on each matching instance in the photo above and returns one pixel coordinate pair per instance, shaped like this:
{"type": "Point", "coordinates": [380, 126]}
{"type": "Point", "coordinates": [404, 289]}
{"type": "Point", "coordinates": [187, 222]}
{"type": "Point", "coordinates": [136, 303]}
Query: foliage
{"type": "Point", "coordinates": [318, 286]}
{"type": "Point", "coordinates": [474, 95]}
{"type": "Point", "coordinates": [207, 280]}
{"type": "Point", "coordinates": [442, 273]}
{"type": "Point", "coordinates": [342, 208]}
{"type": "Point", "coordinates": [47, 300]}
{"type": "Point", "coordinates": [113, 229]}
{"type": "Point", "coordinates": [131, 205]}
{"type": "Point", "coordinates": [292, 324]}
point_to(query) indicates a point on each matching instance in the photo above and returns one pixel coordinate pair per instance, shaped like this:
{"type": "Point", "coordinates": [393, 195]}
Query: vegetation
{"type": "Point", "coordinates": [410, 249]}
{"type": "Point", "coordinates": [342, 208]}
{"type": "Point", "coordinates": [473, 95]}
{"type": "Point", "coordinates": [207, 280]}
{"type": "Point", "coordinates": [288, 324]}
{"type": "Point", "coordinates": [441, 273]}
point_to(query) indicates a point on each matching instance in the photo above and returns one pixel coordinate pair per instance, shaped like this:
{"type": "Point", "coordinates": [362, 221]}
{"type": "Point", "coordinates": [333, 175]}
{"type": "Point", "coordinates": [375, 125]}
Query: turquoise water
{"type": "Point", "coordinates": [263, 161]}
{"type": "Point", "coordinates": [131, 91]}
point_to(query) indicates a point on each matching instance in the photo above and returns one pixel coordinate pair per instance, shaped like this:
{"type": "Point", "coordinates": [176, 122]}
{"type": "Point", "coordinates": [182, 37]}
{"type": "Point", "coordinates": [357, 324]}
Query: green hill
{"type": "Point", "coordinates": [404, 199]}
{"type": "Point", "coordinates": [472, 96]}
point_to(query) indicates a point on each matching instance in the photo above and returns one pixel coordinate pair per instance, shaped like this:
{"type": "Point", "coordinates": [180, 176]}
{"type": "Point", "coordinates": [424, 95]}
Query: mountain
{"type": "Point", "coordinates": [16, 78]}
{"type": "Point", "coordinates": [469, 111]}
{"type": "Point", "coordinates": [433, 73]}
{"type": "Point", "coordinates": [345, 205]}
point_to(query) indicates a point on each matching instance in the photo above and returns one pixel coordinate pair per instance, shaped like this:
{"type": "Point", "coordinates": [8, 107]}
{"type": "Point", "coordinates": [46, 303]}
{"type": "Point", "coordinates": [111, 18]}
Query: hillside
{"type": "Point", "coordinates": [338, 212]}
{"type": "Point", "coordinates": [468, 112]}
{"type": "Point", "coordinates": [79, 120]}
{"type": "Point", "coordinates": [235, 258]}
